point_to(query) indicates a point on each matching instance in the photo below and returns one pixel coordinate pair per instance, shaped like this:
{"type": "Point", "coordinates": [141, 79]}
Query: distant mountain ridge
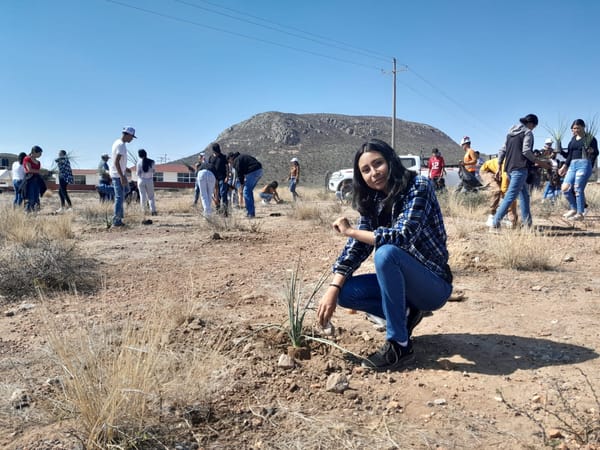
{"type": "Point", "coordinates": [324, 142]}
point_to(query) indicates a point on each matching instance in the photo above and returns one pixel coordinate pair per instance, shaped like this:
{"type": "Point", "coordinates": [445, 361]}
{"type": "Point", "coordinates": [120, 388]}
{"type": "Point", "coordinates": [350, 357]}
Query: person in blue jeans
{"type": "Point", "coordinates": [118, 169]}
{"type": "Point", "coordinates": [249, 171]}
{"type": "Point", "coordinates": [581, 158]}
{"type": "Point", "coordinates": [517, 155]}
{"type": "Point", "coordinates": [401, 221]}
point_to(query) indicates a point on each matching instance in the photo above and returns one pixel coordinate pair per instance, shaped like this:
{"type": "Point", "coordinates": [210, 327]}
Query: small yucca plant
{"type": "Point", "coordinates": [297, 306]}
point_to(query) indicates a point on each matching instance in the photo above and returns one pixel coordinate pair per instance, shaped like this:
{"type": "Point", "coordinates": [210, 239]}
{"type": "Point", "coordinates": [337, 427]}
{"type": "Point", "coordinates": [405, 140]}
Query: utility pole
{"type": "Point", "coordinates": [394, 104]}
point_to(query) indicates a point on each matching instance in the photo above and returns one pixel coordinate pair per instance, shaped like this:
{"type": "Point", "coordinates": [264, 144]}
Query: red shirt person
{"type": "Point", "coordinates": [436, 165]}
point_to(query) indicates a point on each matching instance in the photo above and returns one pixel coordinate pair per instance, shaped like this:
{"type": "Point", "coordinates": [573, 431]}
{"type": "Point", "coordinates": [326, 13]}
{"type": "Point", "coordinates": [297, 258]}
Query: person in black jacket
{"type": "Point", "coordinates": [517, 156]}
{"type": "Point", "coordinates": [249, 171]}
{"type": "Point", "coordinates": [219, 163]}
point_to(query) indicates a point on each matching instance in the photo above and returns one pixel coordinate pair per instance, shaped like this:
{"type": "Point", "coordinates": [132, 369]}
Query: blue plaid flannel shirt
{"type": "Point", "coordinates": [416, 226]}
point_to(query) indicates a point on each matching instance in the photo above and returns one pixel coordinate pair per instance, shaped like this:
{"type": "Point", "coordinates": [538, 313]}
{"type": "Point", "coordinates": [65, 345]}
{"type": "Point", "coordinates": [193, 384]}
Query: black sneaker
{"type": "Point", "coordinates": [391, 356]}
{"type": "Point", "coordinates": [414, 318]}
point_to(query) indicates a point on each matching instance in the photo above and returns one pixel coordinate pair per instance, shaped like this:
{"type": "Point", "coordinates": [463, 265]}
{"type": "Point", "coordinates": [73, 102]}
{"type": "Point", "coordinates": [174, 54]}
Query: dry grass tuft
{"type": "Point", "coordinates": [523, 249]}
{"type": "Point", "coordinates": [303, 211]}
{"type": "Point", "coordinates": [463, 205]}
{"type": "Point", "coordinates": [16, 226]}
{"type": "Point", "coordinates": [118, 377]}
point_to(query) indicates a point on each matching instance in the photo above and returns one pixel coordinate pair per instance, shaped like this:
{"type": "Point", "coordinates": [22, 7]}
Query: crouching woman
{"type": "Point", "coordinates": [401, 220]}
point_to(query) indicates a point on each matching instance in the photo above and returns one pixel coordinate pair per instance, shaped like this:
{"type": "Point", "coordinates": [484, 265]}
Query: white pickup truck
{"type": "Point", "coordinates": [341, 181]}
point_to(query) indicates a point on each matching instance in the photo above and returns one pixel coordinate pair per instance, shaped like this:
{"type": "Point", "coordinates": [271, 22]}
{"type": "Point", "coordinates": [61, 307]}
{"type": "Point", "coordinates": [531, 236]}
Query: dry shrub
{"type": "Point", "coordinates": [35, 253]}
{"type": "Point", "coordinates": [119, 376]}
{"type": "Point", "coordinates": [523, 249]}
{"type": "Point", "coordinates": [45, 264]}
{"type": "Point", "coordinates": [574, 411]}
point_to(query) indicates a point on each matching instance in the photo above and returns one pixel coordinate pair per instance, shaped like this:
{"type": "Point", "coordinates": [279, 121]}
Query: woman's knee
{"type": "Point", "coordinates": [385, 254]}
{"type": "Point", "coordinates": [565, 187]}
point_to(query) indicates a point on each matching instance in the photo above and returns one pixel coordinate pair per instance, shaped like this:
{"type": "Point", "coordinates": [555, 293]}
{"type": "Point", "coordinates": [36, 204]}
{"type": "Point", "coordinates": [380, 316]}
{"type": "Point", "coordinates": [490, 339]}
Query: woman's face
{"type": "Point", "coordinates": [374, 170]}
{"type": "Point", "coordinates": [578, 130]}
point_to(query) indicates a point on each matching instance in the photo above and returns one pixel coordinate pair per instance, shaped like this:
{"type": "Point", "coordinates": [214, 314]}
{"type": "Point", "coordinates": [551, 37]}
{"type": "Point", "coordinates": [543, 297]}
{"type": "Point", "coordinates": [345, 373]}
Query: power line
{"type": "Point", "coordinates": [245, 36]}
{"type": "Point", "coordinates": [281, 28]}
{"type": "Point", "coordinates": [311, 37]}
{"type": "Point", "coordinates": [452, 100]}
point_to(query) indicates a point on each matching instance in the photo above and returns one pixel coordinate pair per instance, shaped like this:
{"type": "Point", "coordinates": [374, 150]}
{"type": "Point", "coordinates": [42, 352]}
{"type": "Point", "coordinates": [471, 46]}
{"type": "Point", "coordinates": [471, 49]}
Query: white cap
{"type": "Point", "coordinates": [129, 130]}
{"type": "Point", "coordinates": [294, 160]}
{"type": "Point", "coordinates": [548, 141]}
{"type": "Point", "coordinates": [465, 140]}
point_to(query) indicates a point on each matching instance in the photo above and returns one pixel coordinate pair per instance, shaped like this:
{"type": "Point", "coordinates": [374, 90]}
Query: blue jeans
{"type": "Point", "coordinates": [250, 182]}
{"type": "Point", "coordinates": [33, 193]}
{"type": "Point", "coordinates": [516, 188]}
{"type": "Point", "coordinates": [266, 197]}
{"type": "Point", "coordinates": [223, 191]}
{"type": "Point", "coordinates": [119, 196]}
{"type": "Point", "coordinates": [293, 188]}
{"type": "Point", "coordinates": [550, 192]}
{"type": "Point", "coordinates": [577, 177]}
{"type": "Point", "coordinates": [18, 201]}
{"type": "Point", "coordinates": [399, 281]}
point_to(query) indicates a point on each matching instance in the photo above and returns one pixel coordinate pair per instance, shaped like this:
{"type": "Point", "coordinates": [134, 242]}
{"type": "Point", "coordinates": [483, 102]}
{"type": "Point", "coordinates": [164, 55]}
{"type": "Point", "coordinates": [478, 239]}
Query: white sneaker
{"type": "Point", "coordinates": [507, 223]}
{"type": "Point", "coordinates": [490, 221]}
{"type": "Point", "coordinates": [69, 209]}
{"type": "Point", "coordinates": [576, 218]}
{"type": "Point", "coordinates": [264, 202]}
{"type": "Point", "coordinates": [59, 210]}
{"type": "Point", "coordinates": [569, 213]}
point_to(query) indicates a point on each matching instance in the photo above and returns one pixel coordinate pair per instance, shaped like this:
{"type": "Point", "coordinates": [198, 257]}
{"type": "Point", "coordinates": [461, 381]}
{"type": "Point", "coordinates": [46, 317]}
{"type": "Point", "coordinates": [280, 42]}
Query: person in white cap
{"type": "Point", "coordinates": [547, 150]}
{"type": "Point", "coordinates": [470, 158]}
{"type": "Point", "coordinates": [118, 166]}
{"type": "Point", "coordinates": [469, 167]}
{"type": "Point", "coordinates": [294, 177]}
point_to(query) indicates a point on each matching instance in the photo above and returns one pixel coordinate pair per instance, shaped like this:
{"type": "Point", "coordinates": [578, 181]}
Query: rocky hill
{"type": "Point", "coordinates": [324, 142]}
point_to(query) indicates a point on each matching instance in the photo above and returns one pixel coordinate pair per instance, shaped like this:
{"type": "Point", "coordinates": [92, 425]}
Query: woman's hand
{"type": "Point", "coordinates": [562, 171]}
{"type": "Point", "coordinates": [342, 226]}
{"type": "Point", "coordinates": [327, 306]}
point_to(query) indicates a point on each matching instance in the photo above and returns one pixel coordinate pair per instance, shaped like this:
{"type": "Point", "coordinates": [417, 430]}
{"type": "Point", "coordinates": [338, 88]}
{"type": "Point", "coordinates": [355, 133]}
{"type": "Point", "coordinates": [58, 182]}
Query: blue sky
{"type": "Point", "coordinates": [74, 72]}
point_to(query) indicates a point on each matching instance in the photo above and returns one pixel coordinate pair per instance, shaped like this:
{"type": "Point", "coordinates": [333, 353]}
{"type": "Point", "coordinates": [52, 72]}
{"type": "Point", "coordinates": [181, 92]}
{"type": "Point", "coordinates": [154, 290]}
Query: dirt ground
{"type": "Point", "coordinates": [513, 364]}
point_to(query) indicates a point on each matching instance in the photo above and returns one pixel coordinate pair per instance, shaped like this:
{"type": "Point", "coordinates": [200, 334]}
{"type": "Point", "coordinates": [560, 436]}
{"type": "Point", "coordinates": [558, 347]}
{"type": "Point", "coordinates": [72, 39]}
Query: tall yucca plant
{"type": "Point", "coordinates": [558, 132]}
{"type": "Point", "coordinates": [591, 129]}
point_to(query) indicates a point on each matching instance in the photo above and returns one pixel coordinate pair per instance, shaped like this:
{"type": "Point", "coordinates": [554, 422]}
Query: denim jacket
{"type": "Point", "coordinates": [414, 225]}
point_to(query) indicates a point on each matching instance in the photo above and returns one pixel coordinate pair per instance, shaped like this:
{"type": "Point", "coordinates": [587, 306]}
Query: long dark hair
{"type": "Point", "coordinates": [146, 162]}
{"type": "Point", "coordinates": [579, 123]}
{"type": "Point", "coordinates": [398, 180]}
